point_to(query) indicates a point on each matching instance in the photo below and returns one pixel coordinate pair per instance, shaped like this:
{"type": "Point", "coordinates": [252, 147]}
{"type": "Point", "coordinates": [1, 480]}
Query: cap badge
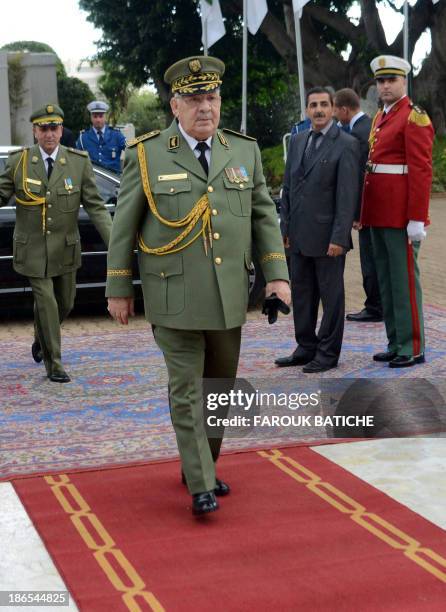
{"type": "Point", "coordinates": [382, 62]}
{"type": "Point", "coordinates": [195, 66]}
{"type": "Point", "coordinates": [50, 108]}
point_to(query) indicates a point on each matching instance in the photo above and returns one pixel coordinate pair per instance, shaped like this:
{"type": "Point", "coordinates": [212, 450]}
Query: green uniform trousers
{"type": "Point", "coordinates": [190, 356]}
{"type": "Point", "coordinates": [400, 289]}
{"type": "Point", "coordinates": [53, 301]}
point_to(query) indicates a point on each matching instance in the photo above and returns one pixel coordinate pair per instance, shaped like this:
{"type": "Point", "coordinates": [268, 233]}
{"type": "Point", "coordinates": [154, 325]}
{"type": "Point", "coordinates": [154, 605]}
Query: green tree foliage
{"type": "Point", "coordinates": [144, 111]}
{"type": "Point", "coordinates": [141, 39]}
{"type": "Point", "coordinates": [73, 94]}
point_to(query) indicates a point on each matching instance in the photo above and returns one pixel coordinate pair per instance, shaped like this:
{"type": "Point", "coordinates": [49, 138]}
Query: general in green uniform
{"type": "Point", "coordinates": [194, 198]}
{"type": "Point", "coordinates": [50, 182]}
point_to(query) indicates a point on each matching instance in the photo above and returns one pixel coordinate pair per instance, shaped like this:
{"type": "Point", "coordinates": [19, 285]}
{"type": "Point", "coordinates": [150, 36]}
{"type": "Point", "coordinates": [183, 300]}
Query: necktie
{"type": "Point", "coordinates": [203, 147]}
{"type": "Point", "coordinates": [50, 162]}
{"type": "Point", "coordinates": [311, 149]}
{"type": "Point", "coordinates": [101, 137]}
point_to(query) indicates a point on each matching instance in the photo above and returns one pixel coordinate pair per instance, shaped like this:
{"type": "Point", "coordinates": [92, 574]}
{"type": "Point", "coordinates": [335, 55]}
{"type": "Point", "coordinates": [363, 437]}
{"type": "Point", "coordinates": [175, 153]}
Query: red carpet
{"type": "Point", "coordinates": [298, 534]}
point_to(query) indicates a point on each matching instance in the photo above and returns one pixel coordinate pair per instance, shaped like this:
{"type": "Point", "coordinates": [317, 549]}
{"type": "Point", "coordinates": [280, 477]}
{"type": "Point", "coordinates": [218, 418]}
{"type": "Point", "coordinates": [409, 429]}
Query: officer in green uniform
{"type": "Point", "coordinates": [50, 182]}
{"type": "Point", "coordinates": [195, 199]}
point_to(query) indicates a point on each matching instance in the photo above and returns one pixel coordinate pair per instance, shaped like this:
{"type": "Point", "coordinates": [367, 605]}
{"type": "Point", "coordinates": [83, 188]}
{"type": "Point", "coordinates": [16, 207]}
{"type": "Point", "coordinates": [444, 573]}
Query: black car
{"type": "Point", "coordinates": [15, 291]}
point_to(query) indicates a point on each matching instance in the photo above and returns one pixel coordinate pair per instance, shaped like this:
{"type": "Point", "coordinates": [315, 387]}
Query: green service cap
{"type": "Point", "coordinates": [50, 114]}
{"type": "Point", "coordinates": [195, 75]}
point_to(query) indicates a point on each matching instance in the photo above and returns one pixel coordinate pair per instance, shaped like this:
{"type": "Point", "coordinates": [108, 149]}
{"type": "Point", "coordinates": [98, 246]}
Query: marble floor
{"type": "Point", "coordinates": [410, 470]}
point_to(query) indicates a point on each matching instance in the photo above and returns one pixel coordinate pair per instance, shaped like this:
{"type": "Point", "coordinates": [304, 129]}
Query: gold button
{"type": "Point", "coordinates": [48, 232]}
{"type": "Point", "coordinates": [49, 219]}
{"type": "Point", "coordinates": [241, 186]}
{"type": "Point", "coordinates": [172, 190]}
{"type": "Point", "coordinates": [214, 212]}
{"type": "Point", "coordinates": [50, 205]}
{"type": "Point", "coordinates": [210, 189]}
{"type": "Point", "coordinates": [48, 193]}
{"type": "Point", "coordinates": [162, 274]}
{"type": "Point", "coordinates": [218, 260]}
{"type": "Point", "coordinates": [216, 236]}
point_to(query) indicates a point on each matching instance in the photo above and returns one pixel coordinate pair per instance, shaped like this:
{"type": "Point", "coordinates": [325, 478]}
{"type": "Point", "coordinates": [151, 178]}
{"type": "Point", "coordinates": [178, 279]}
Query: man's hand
{"type": "Point", "coordinates": [281, 288]}
{"type": "Point", "coordinates": [334, 250]}
{"type": "Point", "coordinates": [121, 308]}
{"type": "Point", "coordinates": [357, 225]}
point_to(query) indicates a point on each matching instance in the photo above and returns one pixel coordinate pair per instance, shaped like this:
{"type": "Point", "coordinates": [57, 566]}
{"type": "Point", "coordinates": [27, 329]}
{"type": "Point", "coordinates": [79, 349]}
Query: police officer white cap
{"type": "Point", "coordinates": [97, 106]}
{"type": "Point", "coordinates": [385, 66]}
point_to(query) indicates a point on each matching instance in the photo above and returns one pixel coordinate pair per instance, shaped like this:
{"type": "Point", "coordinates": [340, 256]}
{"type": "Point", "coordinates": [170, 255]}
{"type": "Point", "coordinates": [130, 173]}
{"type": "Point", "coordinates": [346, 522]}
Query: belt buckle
{"type": "Point", "coordinates": [369, 167]}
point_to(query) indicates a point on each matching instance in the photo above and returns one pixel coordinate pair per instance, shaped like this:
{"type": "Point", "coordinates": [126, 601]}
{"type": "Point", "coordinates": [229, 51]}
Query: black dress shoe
{"type": "Point", "coordinates": [293, 360]}
{"type": "Point", "coordinates": [36, 351]}
{"type": "Point", "coordinates": [221, 488]}
{"type": "Point", "coordinates": [405, 361]}
{"type": "Point", "coordinates": [365, 316]}
{"type": "Point", "coordinates": [316, 366]}
{"type": "Point", "coordinates": [202, 503]}
{"type": "Point", "coordinates": [59, 376]}
{"type": "Point", "coordinates": [386, 356]}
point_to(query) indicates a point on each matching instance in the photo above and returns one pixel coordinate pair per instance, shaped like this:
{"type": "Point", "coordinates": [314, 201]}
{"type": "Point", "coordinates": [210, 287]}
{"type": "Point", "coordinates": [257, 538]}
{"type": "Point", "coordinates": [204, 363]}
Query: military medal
{"type": "Point", "coordinates": [68, 184]}
{"type": "Point", "coordinates": [244, 173]}
{"type": "Point", "coordinates": [229, 174]}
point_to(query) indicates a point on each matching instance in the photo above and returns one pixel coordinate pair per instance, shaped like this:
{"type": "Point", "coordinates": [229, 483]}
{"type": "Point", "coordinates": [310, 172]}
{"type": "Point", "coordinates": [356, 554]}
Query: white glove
{"type": "Point", "coordinates": [415, 231]}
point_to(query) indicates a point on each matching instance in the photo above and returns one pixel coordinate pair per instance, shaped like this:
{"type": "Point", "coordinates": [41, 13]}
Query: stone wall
{"type": "Point", "coordinates": [35, 84]}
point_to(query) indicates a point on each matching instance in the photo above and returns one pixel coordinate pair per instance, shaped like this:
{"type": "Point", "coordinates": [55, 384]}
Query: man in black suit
{"type": "Point", "coordinates": [348, 112]}
{"type": "Point", "coordinates": [319, 200]}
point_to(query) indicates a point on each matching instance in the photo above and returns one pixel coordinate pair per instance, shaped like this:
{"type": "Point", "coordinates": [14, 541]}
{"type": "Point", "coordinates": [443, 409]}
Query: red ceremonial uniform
{"type": "Point", "coordinates": [401, 137]}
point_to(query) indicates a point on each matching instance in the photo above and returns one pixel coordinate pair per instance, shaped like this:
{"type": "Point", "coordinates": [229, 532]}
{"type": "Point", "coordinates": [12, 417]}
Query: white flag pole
{"type": "Point", "coordinates": [406, 31]}
{"type": "Point", "coordinates": [300, 62]}
{"type": "Point", "coordinates": [205, 35]}
{"type": "Point", "coordinates": [244, 66]}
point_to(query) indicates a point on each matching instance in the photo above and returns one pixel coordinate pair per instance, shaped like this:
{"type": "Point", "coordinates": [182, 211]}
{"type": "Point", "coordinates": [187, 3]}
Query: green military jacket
{"type": "Point", "coordinates": [46, 239]}
{"type": "Point", "coordinates": [192, 288]}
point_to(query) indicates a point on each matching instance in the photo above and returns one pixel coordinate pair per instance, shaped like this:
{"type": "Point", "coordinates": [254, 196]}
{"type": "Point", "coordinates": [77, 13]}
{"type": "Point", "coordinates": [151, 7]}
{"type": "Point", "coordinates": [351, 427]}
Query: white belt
{"type": "Point", "coordinates": [386, 168]}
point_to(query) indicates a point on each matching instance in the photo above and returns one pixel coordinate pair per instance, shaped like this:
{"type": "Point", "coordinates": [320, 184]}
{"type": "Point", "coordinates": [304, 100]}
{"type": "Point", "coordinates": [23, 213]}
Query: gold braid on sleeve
{"type": "Point", "coordinates": [33, 200]}
{"type": "Point", "coordinates": [201, 210]}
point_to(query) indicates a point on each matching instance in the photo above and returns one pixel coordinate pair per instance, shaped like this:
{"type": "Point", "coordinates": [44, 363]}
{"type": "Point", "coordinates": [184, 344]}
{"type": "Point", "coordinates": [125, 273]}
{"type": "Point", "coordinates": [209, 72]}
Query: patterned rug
{"type": "Point", "coordinates": [115, 412]}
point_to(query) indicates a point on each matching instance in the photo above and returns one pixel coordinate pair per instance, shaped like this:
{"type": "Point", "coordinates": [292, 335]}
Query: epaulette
{"type": "Point", "coordinates": [419, 116]}
{"type": "Point", "coordinates": [239, 134]}
{"type": "Point", "coordinates": [77, 151]}
{"type": "Point", "coordinates": [18, 150]}
{"type": "Point", "coordinates": [135, 141]}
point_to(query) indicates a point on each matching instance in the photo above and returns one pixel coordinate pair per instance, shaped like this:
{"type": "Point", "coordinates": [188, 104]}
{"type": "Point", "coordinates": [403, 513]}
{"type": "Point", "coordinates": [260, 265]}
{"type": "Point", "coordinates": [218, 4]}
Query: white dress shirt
{"type": "Point", "coordinates": [45, 156]}
{"type": "Point", "coordinates": [193, 143]}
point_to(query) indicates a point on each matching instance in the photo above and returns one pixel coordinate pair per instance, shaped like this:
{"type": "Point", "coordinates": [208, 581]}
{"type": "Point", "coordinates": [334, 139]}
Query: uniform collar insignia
{"type": "Point", "coordinates": [34, 159]}
{"type": "Point", "coordinates": [63, 161]}
{"type": "Point", "coordinates": [222, 139]}
{"type": "Point", "coordinates": [174, 142]}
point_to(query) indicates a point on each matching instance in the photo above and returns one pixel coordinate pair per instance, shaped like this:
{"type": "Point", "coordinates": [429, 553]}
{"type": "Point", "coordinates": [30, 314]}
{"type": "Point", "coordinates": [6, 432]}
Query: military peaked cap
{"type": "Point", "coordinates": [50, 114]}
{"type": "Point", "coordinates": [385, 66]}
{"type": "Point", "coordinates": [195, 75]}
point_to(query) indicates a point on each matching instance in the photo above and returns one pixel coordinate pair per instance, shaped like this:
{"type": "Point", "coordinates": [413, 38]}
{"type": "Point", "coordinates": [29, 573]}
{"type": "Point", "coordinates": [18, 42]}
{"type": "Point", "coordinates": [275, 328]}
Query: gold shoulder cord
{"type": "Point", "coordinates": [372, 134]}
{"type": "Point", "coordinates": [33, 199]}
{"type": "Point", "coordinates": [201, 210]}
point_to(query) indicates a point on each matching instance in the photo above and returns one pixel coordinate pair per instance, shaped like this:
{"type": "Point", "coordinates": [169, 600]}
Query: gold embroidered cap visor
{"type": "Point", "coordinates": [50, 114]}
{"type": "Point", "coordinates": [195, 75]}
{"type": "Point", "coordinates": [385, 66]}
